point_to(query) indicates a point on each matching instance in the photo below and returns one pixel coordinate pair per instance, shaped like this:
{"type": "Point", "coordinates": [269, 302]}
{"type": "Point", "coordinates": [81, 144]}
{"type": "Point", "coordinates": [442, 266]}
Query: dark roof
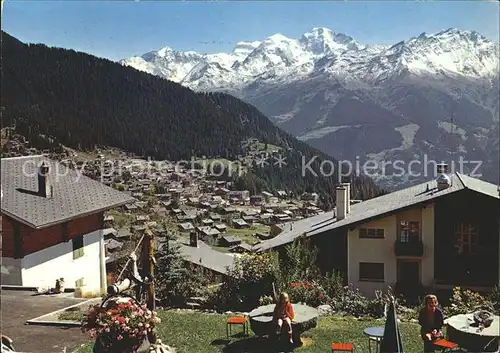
{"type": "Point", "coordinates": [377, 207]}
{"type": "Point", "coordinates": [74, 195]}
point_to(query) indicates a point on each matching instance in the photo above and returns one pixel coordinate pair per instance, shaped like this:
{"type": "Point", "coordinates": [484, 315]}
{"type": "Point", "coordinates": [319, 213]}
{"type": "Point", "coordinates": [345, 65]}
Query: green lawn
{"type": "Point", "coordinates": [204, 333]}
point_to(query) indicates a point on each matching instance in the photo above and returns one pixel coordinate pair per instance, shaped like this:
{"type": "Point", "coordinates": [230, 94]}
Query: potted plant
{"type": "Point", "coordinates": [120, 325]}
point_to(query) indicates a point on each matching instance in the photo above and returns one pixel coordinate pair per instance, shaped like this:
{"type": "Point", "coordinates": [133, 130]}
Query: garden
{"type": "Point", "coordinates": [255, 280]}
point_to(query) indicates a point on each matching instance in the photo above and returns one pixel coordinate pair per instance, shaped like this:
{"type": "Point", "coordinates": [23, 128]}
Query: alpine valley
{"type": "Point", "coordinates": [431, 97]}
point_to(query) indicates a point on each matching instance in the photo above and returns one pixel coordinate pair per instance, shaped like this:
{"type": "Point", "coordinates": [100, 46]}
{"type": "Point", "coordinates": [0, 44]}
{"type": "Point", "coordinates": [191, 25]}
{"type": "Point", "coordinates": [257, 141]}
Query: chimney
{"type": "Point", "coordinates": [443, 180]}
{"type": "Point", "coordinates": [193, 239]}
{"type": "Point", "coordinates": [442, 168]}
{"type": "Point", "coordinates": [44, 187]}
{"type": "Point", "coordinates": [341, 202]}
{"type": "Point", "coordinates": [348, 196]}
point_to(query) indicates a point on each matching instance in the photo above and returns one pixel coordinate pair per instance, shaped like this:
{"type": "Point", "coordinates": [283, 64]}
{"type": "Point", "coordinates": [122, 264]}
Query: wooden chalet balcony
{"type": "Point", "coordinates": [413, 248]}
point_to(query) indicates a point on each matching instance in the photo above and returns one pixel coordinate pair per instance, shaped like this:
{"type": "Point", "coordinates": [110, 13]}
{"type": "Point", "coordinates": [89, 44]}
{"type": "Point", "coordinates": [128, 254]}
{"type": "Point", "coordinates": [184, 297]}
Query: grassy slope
{"type": "Point", "coordinates": [204, 333]}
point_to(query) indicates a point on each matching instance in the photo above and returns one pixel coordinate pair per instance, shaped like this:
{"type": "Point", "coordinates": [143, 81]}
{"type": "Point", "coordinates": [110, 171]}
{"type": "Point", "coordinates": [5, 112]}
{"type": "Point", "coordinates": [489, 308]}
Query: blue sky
{"type": "Point", "coordinates": [119, 29]}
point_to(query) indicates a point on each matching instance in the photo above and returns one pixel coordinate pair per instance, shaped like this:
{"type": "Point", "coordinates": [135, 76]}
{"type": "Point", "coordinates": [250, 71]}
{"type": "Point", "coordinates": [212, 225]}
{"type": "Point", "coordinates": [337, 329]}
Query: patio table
{"type": "Point", "coordinates": [374, 333]}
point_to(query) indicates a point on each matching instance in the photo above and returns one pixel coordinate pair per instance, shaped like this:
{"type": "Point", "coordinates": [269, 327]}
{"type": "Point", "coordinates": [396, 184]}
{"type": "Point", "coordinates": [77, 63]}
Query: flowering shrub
{"type": "Point", "coordinates": [250, 277]}
{"type": "Point", "coordinates": [310, 293]}
{"type": "Point", "coordinates": [465, 301]}
{"type": "Point", "coordinates": [123, 322]}
{"type": "Point", "coordinates": [266, 300]}
{"type": "Point", "coordinates": [353, 302]}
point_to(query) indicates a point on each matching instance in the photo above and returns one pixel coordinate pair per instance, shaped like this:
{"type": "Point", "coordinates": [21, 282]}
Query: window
{"type": "Point", "coordinates": [371, 233]}
{"type": "Point", "coordinates": [466, 235]}
{"type": "Point", "coordinates": [409, 231]}
{"type": "Point", "coordinates": [371, 271]}
{"type": "Point", "coordinates": [77, 247]}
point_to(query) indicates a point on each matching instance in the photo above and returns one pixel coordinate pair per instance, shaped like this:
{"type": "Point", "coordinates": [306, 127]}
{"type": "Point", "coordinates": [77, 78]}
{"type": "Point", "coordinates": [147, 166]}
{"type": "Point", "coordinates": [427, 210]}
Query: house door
{"type": "Point", "coordinates": [408, 272]}
{"type": "Point", "coordinates": [409, 283]}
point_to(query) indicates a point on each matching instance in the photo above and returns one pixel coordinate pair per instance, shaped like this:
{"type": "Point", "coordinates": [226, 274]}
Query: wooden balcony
{"type": "Point", "coordinates": [409, 249]}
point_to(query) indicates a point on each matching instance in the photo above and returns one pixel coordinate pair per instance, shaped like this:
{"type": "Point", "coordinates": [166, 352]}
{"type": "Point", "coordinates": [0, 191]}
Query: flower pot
{"type": "Point", "coordinates": [122, 346]}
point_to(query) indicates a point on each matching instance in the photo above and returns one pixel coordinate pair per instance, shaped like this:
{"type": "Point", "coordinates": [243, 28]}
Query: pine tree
{"type": "Point", "coordinates": [175, 280]}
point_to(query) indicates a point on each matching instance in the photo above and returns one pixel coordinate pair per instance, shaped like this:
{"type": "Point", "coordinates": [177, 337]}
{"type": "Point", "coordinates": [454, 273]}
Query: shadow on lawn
{"type": "Point", "coordinates": [257, 345]}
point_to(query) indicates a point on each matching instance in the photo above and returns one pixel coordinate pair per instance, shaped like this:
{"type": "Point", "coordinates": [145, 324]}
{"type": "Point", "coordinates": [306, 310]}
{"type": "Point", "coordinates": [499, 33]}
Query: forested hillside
{"type": "Point", "coordinates": [83, 101]}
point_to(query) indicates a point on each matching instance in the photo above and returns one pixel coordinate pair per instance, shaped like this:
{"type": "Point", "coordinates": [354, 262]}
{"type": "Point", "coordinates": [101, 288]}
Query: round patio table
{"type": "Point", "coordinates": [461, 330]}
{"type": "Point", "coordinates": [374, 333]}
{"type": "Point", "coordinates": [261, 320]}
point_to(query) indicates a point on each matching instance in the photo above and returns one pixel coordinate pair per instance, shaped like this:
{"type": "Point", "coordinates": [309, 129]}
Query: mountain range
{"type": "Point", "coordinates": [433, 97]}
{"type": "Point", "coordinates": [80, 101]}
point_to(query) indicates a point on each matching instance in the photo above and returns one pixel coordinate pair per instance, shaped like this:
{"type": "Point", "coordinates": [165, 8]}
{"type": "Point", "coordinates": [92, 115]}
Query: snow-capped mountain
{"type": "Point", "coordinates": [433, 94]}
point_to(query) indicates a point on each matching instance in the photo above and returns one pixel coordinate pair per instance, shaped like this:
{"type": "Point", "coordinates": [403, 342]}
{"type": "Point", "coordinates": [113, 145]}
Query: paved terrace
{"type": "Point", "coordinates": [17, 307]}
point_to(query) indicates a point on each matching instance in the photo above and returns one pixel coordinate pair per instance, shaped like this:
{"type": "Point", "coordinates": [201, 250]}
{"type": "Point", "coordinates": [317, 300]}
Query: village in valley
{"type": "Point", "coordinates": [181, 198]}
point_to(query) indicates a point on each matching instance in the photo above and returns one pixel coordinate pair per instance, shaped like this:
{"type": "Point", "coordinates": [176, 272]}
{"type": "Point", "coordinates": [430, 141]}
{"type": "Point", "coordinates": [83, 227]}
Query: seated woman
{"type": "Point", "coordinates": [283, 312]}
{"type": "Point", "coordinates": [431, 320]}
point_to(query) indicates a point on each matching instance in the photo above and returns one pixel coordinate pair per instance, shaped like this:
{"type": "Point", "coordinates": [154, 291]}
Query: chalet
{"type": "Point", "coordinates": [437, 234]}
{"type": "Point", "coordinates": [207, 222]}
{"type": "Point", "coordinates": [229, 240]}
{"type": "Point", "coordinates": [263, 236]}
{"type": "Point", "coordinates": [281, 217]}
{"type": "Point", "coordinates": [109, 233]}
{"type": "Point", "coordinates": [52, 224]}
{"type": "Point", "coordinates": [240, 195]}
{"type": "Point", "coordinates": [266, 218]}
{"type": "Point", "coordinates": [241, 248]}
{"type": "Point", "coordinates": [267, 196]}
{"type": "Point", "coordinates": [123, 234]}
{"type": "Point", "coordinates": [220, 227]}
{"type": "Point", "coordinates": [130, 207]}
{"type": "Point", "coordinates": [228, 210]}
{"type": "Point", "coordinates": [215, 217]}
{"type": "Point", "coordinates": [141, 219]}
{"type": "Point", "coordinates": [207, 232]}
{"type": "Point", "coordinates": [184, 227]}
{"type": "Point", "coordinates": [282, 195]}
{"type": "Point", "coordinates": [111, 245]}
{"type": "Point", "coordinates": [256, 200]}
{"type": "Point", "coordinates": [109, 219]}
{"type": "Point", "coordinates": [250, 213]}
{"type": "Point", "coordinates": [240, 224]}
{"type": "Point", "coordinates": [221, 192]}
{"type": "Point", "coordinates": [309, 196]}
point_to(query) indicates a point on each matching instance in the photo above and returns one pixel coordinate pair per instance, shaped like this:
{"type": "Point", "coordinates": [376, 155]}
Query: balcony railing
{"type": "Point", "coordinates": [413, 248]}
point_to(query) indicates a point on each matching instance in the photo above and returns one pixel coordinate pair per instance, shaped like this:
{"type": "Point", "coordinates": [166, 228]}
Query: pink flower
{"type": "Point", "coordinates": [119, 338]}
